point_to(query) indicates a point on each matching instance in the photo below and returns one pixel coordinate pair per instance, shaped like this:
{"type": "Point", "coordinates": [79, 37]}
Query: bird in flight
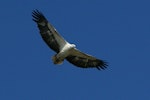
{"type": "Point", "coordinates": [64, 50]}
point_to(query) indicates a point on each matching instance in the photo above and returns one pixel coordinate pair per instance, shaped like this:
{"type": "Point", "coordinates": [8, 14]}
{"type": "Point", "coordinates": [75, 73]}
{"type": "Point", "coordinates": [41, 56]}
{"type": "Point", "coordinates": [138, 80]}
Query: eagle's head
{"type": "Point", "coordinates": [73, 45]}
{"type": "Point", "coordinates": [57, 60]}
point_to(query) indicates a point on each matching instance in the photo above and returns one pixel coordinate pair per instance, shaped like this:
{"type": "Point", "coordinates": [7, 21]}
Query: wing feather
{"type": "Point", "coordinates": [83, 60]}
{"type": "Point", "coordinates": [48, 32]}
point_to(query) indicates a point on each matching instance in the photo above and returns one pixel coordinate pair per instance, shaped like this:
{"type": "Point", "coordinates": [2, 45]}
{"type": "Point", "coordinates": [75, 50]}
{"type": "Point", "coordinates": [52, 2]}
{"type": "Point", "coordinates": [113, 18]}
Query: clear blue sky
{"type": "Point", "coordinates": [117, 31]}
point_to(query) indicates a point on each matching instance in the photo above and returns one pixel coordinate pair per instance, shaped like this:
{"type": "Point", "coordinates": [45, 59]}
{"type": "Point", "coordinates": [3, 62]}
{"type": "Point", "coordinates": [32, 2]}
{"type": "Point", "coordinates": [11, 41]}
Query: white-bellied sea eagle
{"type": "Point", "coordinates": [64, 49]}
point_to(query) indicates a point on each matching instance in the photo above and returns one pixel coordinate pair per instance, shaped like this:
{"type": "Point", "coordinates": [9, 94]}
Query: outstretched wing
{"type": "Point", "coordinates": [83, 60]}
{"type": "Point", "coordinates": [48, 32]}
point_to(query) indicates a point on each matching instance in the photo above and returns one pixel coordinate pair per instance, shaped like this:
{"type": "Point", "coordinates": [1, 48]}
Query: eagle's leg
{"type": "Point", "coordinates": [57, 60]}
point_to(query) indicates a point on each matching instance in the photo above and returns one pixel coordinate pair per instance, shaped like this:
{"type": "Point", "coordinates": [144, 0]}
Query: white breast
{"type": "Point", "coordinates": [66, 47]}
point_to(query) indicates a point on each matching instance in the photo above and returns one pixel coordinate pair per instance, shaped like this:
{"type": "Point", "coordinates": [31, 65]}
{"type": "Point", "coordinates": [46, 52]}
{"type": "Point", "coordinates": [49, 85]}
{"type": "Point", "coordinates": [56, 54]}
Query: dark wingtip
{"type": "Point", "coordinates": [98, 68]}
{"type": "Point", "coordinates": [37, 15]}
{"type": "Point", "coordinates": [103, 65]}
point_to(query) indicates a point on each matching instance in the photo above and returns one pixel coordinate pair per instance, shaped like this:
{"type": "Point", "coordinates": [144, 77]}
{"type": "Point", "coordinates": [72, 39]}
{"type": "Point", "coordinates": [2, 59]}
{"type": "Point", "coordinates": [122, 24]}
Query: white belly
{"type": "Point", "coordinates": [65, 51]}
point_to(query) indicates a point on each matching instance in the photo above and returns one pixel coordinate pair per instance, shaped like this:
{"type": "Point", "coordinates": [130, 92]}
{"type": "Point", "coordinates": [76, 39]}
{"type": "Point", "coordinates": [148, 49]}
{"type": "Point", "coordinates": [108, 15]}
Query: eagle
{"type": "Point", "coordinates": [64, 50]}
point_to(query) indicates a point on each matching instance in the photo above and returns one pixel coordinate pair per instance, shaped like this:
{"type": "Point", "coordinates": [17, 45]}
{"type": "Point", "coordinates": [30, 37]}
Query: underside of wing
{"type": "Point", "coordinates": [83, 60]}
{"type": "Point", "coordinates": [48, 32]}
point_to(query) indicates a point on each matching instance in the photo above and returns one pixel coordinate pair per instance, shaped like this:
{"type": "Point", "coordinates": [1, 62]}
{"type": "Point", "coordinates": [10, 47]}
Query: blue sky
{"type": "Point", "coordinates": [117, 31]}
